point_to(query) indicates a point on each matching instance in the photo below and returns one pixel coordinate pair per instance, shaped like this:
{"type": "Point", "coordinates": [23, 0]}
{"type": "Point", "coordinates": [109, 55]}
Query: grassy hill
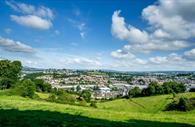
{"type": "Point", "coordinates": [144, 111]}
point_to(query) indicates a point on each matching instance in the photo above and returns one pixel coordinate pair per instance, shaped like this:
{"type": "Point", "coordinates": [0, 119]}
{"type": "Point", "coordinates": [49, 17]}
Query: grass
{"type": "Point", "coordinates": [144, 111]}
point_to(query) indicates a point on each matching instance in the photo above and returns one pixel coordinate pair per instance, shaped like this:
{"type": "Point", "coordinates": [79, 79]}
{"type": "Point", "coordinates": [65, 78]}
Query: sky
{"type": "Point", "coordinates": [125, 35]}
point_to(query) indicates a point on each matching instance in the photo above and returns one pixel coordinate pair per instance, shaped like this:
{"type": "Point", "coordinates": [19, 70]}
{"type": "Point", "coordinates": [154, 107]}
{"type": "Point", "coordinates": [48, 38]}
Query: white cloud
{"type": "Point", "coordinates": [82, 34]}
{"type": "Point", "coordinates": [33, 17]}
{"type": "Point", "coordinates": [32, 21]}
{"type": "Point", "coordinates": [55, 58]}
{"type": "Point", "coordinates": [158, 60]}
{"type": "Point", "coordinates": [171, 27]}
{"type": "Point", "coordinates": [8, 30]}
{"type": "Point", "coordinates": [80, 25]}
{"type": "Point", "coordinates": [173, 16]}
{"type": "Point", "coordinates": [15, 46]}
{"type": "Point", "coordinates": [120, 54]}
{"type": "Point", "coordinates": [190, 54]}
{"type": "Point", "coordinates": [124, 32]}
{"type": "Point", "coordinates": [28, 9]}
{"type": "Point", "coordinates": [143, 41]}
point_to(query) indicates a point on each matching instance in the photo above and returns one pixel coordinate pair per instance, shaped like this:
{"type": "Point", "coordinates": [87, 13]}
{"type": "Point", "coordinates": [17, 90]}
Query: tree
{"type": "Point", "coordinates": [172, 86]}
{"type": "Point", "coordinates": [136, 91]}
{"type": "Point", "coordinates": [42, 86]}
{"type": "Point", "coordinates": [86, 94]}
{"type": "Point", "coordinates": [26, 88]}
{"type": "Point", "coordinates": [5, 83]}
{"type": "Point", "coordinates": [10, 72]}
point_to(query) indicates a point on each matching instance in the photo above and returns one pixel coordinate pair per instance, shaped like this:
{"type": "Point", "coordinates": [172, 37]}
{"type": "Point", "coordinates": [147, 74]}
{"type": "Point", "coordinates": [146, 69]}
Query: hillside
{"type": "Point", "coordinates": [144, 111]}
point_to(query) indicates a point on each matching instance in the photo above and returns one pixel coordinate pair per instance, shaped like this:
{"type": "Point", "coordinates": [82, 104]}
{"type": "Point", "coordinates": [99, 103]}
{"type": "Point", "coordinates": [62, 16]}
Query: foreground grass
{"type": "Point", "coordinates": [145, 111]}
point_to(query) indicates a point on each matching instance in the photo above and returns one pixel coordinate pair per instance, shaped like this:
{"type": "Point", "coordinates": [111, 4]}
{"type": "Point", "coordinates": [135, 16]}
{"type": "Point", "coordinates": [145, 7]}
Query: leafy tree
{"type": "Point", "coordinates": [183, 104]}
{"type": "Point", "coordinates": [26, 88]}
{"type": "Point", "coordinates": [86, 94]}
{"type": "Point", "coordinates": [5, 83]}
{"type": "Point", "coordinates": [10, 73]}
{"type": "Point", "coordinates": [172, 86]}
{"type": "Point", "coordinates": [42, 86]}
{"type": "Point", "coordinates": [136, 91]}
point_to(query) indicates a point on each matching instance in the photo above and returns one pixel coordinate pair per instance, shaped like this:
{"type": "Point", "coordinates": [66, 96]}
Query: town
{"type": "Point", "coordinates": [108, 84]}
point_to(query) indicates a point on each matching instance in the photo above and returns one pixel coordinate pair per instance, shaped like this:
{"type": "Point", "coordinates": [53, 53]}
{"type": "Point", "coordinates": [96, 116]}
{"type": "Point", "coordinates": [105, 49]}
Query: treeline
{"type": "Point", "coordinates": [154, 88]}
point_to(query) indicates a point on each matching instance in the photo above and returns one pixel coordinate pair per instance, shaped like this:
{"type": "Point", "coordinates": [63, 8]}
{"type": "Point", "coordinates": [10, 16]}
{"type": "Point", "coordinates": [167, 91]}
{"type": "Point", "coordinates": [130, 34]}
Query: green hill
{"type": "Point", "coordinates": [143, 111]}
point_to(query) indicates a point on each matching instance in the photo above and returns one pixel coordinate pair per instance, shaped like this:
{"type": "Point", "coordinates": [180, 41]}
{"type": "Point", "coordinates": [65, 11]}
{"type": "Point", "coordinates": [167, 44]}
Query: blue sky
{"type": "Point", "coordinates": [128, 35]}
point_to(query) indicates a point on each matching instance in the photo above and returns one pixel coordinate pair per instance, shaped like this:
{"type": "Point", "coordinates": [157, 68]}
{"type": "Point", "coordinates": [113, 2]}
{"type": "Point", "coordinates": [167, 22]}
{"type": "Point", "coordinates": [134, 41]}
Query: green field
{"type": "Point", "coordinates": [143, 111]}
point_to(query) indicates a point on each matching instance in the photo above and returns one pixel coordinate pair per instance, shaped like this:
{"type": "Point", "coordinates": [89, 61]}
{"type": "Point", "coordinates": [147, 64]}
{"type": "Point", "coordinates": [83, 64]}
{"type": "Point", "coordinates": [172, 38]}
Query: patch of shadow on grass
{"type": "Point", "coordinates": [38, 118]}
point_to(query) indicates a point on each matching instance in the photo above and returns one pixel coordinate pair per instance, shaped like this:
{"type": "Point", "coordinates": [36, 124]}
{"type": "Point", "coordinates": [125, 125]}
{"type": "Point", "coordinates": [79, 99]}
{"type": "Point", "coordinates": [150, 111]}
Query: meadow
{"type": "Point", "coordinates": [143, 111]}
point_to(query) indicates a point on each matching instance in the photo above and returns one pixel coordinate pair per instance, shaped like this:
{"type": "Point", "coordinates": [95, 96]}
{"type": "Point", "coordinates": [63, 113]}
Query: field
{"type": "Point", "coordinates": [136, 112]}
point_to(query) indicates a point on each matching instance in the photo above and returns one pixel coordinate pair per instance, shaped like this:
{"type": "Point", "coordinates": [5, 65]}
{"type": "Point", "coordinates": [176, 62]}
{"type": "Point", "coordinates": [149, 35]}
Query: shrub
{"type": "Point", "coordinates": [42, 86]}
{"type": "Point", "coordinates": [192, 90]}
{"type": "Point", "coordinates": [26, 88]}
{"type": "Point", "coordinates": [172, 86]}
{"type": "Point", "coordinates": [93, 104]}
{"type": "Point", "coordinates": [60, 96]}
{"type": "Point", "coordinates": [182, 104]}
{"type": "Point", "coordinates": [86, 94]}
{"type": "Point", "coordinates": [6, 83]}
{"type": "Point", "coordinates": [185, 104]}
{"type": "Point", "coordinates": [135, 92]}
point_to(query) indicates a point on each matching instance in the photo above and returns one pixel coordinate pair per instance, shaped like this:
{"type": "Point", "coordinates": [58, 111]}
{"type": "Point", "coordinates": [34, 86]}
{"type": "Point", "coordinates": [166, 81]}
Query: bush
{"type": "Point", "coordinates": [183, 104]}
{"type": "Point", "coordinates": [26, 88]}
{"type": "Point", "coordinates": [60, 96]}
{"type": "Point", "coordinates": [135, 92]}
{"type": "Point", "coordinates": [6, 83]}
{"type": "Point", "coordinates": [41, 86]}
{"type": "Point", "coordinates": [192, 90]}
{"type": "Point", "coordinates": [93, 104]}
{"type": "Point", "coordinates": [86, 94]}
{"type": "Point", "coordinates": [172, 86]}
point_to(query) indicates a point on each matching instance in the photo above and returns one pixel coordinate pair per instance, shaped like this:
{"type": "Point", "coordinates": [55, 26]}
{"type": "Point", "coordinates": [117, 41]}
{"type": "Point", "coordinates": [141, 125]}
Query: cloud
{"type": "Point", "coordinates": [144, 41]}
{"type": "Point", "coordinates": [33, 17]}
{"type": "Point", "coordinates": [172, 16]}
{"type": "Point", "coordinates": [8, 30]}
{"type": "Point", "coordinates": [190, 54]}
{"type": "Point", "coordinates": [120, 54]}
{"type": "Point", "coordinates": [82, 34]}
{"type": "Point", "coordinates": [124, 32]}
{"type": "Point", "coordinates": [79, 22]}
{"type": "Point", "coordinates": [57, 58]}
{"type": "Point", "coordinates": [158, 60]}
{"type": "Point", "coordinates": [32, 21]}
{"type": "Point", "coordinates": [171, 27]}
{"type": "Point", "coordinates": [15, 46]}
{"type": "Point", "coordinates": [40, 11]}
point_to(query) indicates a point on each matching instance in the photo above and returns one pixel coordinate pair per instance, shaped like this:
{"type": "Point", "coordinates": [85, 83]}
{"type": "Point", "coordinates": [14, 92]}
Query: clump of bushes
{"type": "Point", "coordinates": [61, 96]}
{"type": "Point", "coordinates": [25, 88]}
{"type": "Point", "coordinates": [156, 89]}
{"type": "Point", "coordinates": [192, 90]}
{"type": "Point", "coordinates": [135, 92]}
{"type": "Point", "coordinates": [41, 86]}
{"type": "Point", "coordinates": [182, 104]}
{"type": "Point", "coordinates": [93, 104]}
{"type": "Point", "coordinates": [64, 97]}
{"type": "Point", "coordinates": [86, 94]}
